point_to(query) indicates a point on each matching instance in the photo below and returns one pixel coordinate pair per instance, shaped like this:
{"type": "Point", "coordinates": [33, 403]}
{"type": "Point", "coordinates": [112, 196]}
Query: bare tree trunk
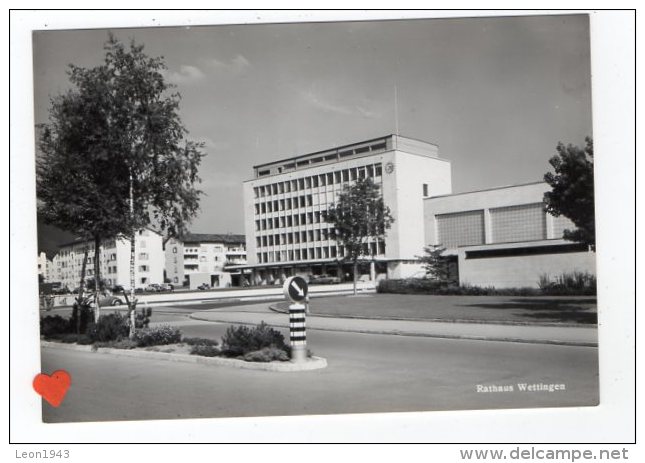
{"type": "Point", "coordinates": [132, 302]}
{"type": "Point", "coordinates": [355, 275]}
{"type": "Point", "coordinates": [81, 287]}
{"type": "Point", "coordinates": [97, 278]}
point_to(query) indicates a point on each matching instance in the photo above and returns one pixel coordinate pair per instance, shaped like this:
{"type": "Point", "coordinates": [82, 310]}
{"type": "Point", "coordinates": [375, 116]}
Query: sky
{"type": "Point", "coordinates": [495, 94]}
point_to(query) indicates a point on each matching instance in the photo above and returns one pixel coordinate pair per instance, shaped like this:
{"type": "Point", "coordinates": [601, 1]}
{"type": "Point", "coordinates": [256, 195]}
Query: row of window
{"type": "Point", "coordinates": [321, 252]}
{"type": "Point", "coordinates": [330, 156]}
{"type": "Point", "coordinates": [305, 218]}
{"type": "Point", "coordinates": [314, 181]}
{"type": "Point", "coordinates": [296, 237]}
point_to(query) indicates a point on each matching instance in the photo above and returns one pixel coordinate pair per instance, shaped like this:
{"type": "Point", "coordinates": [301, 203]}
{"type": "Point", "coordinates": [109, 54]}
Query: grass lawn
{"type": "Point", "coordinates": [570, 310]}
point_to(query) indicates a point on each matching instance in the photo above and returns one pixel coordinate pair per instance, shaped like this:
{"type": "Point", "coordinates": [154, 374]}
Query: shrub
{"type": "Point", "coordinates": [205, 351]}
{"type": "Point", "coordinates": [574, 283]}
{"type": "Point", "coordinates": [240, 340]}
{"type": "Point", "coordinates": [199, 342]}
{"type": "Point", "coordinates": [52, 325]}
{"type": "Point", "coordinates": [111, 327]}
{"type": "Point", "coordinates": [157, 336]}
{"type": "Point", "coordinates": [267, 354]}
{"type": "Point", "coordinates": [121, 344]}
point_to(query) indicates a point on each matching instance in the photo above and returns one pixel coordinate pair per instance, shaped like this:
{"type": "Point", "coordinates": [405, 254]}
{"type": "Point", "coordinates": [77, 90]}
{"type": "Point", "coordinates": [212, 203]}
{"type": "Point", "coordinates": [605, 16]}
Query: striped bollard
{"type": "Point", "coordinates": [298, 333]}
{"type": "Point", "coordinates": [296, 290]}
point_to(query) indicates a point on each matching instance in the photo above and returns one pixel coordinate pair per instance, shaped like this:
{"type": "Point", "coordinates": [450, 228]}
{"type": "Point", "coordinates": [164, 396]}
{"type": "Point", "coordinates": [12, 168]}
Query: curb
{"type": "Point", "coordinates": [443, 320]}
{"type": "Point", "coordinates": [314, 363]}
{"type": "Point", "coordinates": [555, 342]}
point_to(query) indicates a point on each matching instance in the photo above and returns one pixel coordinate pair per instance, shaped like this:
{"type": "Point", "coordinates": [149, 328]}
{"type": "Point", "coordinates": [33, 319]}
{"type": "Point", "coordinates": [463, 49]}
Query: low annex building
{"type": "Point", "coordinates": [503, 237]}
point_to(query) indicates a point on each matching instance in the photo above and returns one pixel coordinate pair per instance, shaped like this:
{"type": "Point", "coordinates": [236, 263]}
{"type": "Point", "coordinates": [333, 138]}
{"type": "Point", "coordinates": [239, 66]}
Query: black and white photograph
{"type": "Point", "coordinates": [367, 216]}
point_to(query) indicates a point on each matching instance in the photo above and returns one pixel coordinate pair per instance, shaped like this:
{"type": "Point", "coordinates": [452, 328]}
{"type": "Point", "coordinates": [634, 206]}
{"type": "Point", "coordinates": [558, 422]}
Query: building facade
{"type": "Point", "coordinates": [286, 201]}
{"type": "Point", "coordinates": [503, 237]}
{"type": "Point", "coordinates": [114, 260]}
{"type": "Point", "coordinates": [199, 258]}
{"type": "Point", "coordinates": [45, 268]}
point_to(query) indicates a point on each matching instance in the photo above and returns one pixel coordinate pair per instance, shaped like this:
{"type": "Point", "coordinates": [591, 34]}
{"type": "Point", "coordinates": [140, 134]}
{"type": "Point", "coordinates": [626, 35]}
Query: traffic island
{"type": "Point", "coordinates": [311, 363]}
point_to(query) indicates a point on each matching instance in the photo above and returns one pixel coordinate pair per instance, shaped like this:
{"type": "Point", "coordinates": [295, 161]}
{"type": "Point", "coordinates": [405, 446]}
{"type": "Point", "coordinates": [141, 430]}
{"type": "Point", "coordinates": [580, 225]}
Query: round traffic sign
{"type": "Point", "coordinates": [295, 288]}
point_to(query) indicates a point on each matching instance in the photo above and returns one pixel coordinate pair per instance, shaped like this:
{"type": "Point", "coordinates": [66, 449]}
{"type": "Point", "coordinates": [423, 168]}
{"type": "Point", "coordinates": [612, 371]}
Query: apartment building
{"type": "Point", "coordinates": [114, 259]}
{"type": "Point", "coordinates": [198, 258]}
{"type": "Point", "coordinates": [286, 201]}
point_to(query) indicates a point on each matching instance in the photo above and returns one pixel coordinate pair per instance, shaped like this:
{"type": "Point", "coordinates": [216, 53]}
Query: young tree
{"type": "Point", "coordinates": [76, 177]}
{"type": "Point", "coordinates": [572, 193]}
{"type": "Point", "coordinates": [136, 168]}
{"type": "Point", "coordinates": [358, 215]}
{"type": "Point", "coordinates": [435, 263]}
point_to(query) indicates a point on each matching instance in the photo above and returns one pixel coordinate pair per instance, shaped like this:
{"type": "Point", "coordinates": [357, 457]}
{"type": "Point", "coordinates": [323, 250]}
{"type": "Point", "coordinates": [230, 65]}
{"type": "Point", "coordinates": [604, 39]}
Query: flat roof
{"type": "Point", "coordinates": [485, 189]}
{"type": "Point", "coordinates": [341, 147]}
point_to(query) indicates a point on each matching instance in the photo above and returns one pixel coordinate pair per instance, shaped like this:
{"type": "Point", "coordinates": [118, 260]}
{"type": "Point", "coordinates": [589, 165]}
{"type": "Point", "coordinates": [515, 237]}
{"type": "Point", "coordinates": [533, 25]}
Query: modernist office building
{"type": "Point", "coordinates": [285, 202]}
{"type": "Point", "coordinates": [198, 258]}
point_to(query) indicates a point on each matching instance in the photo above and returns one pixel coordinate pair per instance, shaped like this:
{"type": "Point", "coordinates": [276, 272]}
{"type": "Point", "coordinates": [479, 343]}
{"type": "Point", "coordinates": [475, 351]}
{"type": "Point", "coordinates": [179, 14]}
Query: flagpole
{"type": "Point", "coordinates": [396, 110]}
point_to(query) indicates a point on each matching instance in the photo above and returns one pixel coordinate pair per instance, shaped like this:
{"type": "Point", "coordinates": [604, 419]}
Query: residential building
{"type": "Point", "coordinates": [198, 258]}
{"type": "Point", "coordinates": [45, 268]}
{"type": "Point", "coordinates": [114, 260]}
{"type": "Point", "coordinates": [286, 201]}
{"type": "Point", "coordinates": [503, 237]}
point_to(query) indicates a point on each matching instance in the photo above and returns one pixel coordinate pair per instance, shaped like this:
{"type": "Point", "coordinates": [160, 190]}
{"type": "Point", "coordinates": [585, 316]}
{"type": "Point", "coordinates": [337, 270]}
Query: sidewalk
{"type": "Point", "coordinates": [568, 336]}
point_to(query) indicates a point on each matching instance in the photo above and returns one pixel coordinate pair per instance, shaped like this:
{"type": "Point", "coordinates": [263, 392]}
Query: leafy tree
{"type": "Point", "coordinates": [133, 165]}
{"type": "Point", "coordinates": [572, 193]}
{"type": "Point", "coordinates": [358, 215]}
{"type": "Point", "coordinates": [435, 263]}
{"type": "Point", "coordinates": [76, 174]}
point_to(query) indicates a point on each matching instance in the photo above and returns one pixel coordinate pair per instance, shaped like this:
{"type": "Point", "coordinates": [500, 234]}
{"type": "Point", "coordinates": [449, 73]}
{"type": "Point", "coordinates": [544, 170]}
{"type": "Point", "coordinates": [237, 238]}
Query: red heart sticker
{"type": "Point", "coordinates": [53, 388]}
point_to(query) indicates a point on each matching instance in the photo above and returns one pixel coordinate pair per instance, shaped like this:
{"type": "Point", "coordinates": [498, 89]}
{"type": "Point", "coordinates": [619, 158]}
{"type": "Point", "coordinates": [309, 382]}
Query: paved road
{"type": "Point", "coordinates": [366, 373]}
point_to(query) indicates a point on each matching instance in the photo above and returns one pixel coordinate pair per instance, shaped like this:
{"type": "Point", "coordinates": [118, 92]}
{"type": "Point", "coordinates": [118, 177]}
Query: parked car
{"type": "Point", "coordinates": [105, 299]}
{"type": "Point", "coordinates": [167, 287]}
{"type": "Point", "coordinates": [324, 280]}
{"type": "Point", "coordinates": [204, 287]}
{"type": "Point", "coordinates": [153, 288]}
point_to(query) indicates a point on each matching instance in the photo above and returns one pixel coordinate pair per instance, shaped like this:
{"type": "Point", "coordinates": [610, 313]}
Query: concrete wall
{"type": "Point", "coordinates": [521, 271]}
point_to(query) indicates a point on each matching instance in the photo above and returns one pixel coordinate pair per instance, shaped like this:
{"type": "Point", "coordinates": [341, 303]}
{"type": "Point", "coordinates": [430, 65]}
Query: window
{"type": "Point", "coordinates": [379, 170]}
{"type": "Point", "coordinates": [262, 173]}
{"type": "Point", "coordinates": [425, 189]}
{"type": "Point", "coordinates": [525, 222]}
{"type": "Point", "coordinates": [315, 181]}
{"type": "Point", "coordinates": [143, 268]}
{"type": "Point", "coordinates": [461, 228]}
{"type": "Point", "coordinates": [143, 256]}
{"type": "Point", "coordinates": [345, 175]}
{"type": "Point", "coordinates": [330, 178]}
{"type": "Point", "coordinates": [337, 177]}
{"type": "Point", "coordinates": [308, 182]}
{"type": "Point", "coordinates": [309, 200]}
